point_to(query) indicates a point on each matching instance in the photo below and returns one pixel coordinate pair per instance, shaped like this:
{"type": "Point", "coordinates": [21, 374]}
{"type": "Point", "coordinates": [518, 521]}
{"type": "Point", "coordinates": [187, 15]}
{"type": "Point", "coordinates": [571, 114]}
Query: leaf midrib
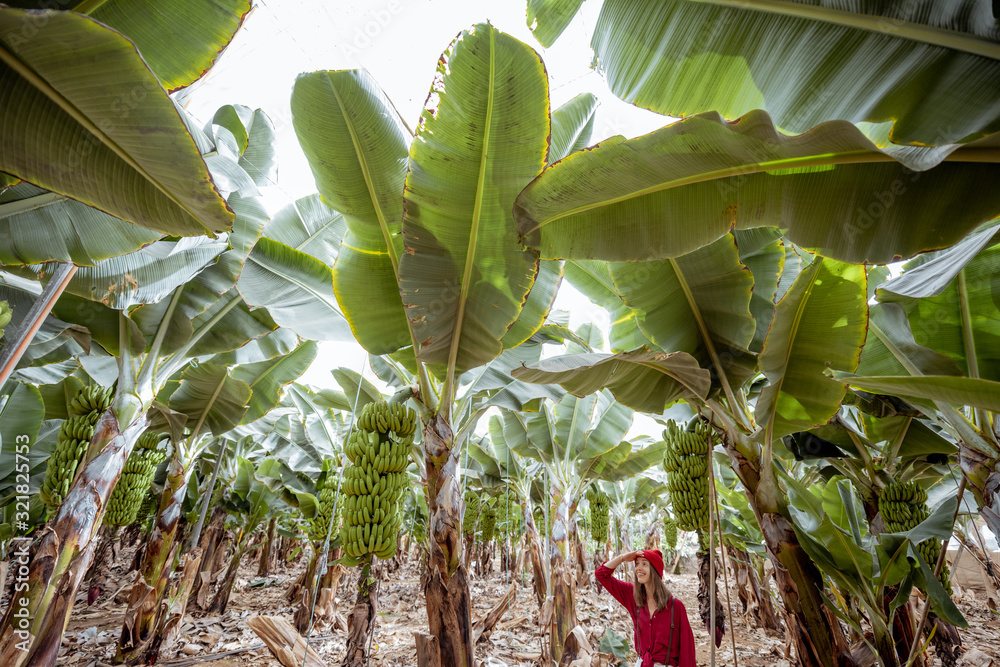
{"type": "Point", "coordinates": [964, 154]}
{"type": "Point", "coordinates": [363, 163]}
{"type": "Point", "coordinates": [883, 25]}
{"type": "Point", "coordinates": [41, 85]}
{"type": "Point", "coordinates": [477, 211]}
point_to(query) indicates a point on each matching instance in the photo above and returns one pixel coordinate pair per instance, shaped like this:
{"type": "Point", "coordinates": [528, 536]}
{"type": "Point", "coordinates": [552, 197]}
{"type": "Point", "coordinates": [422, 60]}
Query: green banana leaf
{"type": "Point", "coordinates": [357, 146]}
{"type": "Point", "coordinates": [628, 460]}
{"type": "Point", "coordinates": [548, 18]}
{"type": "Point", "coordinates": [931, 274]}
{"type": "Point", "coordinates": [255, 139]}
{"type": "Point", "coordinates": [679, 188]}
{"type": "Point", "coordinates": [644, 380]}
{"type": "Point", "coordinates": [939, 321]}
{"type": "Point", "coordinates": [267, 379]}
{"type": "Point", "coordinates": [931, 75]}
{"type": "Point", "coordinates": [889, 340]}
{"type": "Point", "coordinates": [146, 275]}
{"type": "Point", "coordinates": [238, 326]}
{"type": "Point", "coordinates": [698, 303]}
{"type": "Point", "coordinates": [72, 129]}
{"type": "Point", "coordinates": [763, 253]}
{"type": "Point", "coordinates": [20, 417]}
{"type": "Point", "coordinates": [57, 397]}
{"type": "Point", "coordinates": [572, 126]}
{"type": "Point", "coordinates": [295, 288]}
{"type": "Point", "coordinates": [274, 344]}
{"type": "Point", "coordinates": [480, 140]}
{"type": "Point", "coordinates": [593, 280]}
{"type": "Point", "coordinates": [309, 226]}
{"type": "Point", "coordinates": [179, 39]}
{"type": "Point", "coordinates": [819, 324]}
{"type": "Point", "coordinates": [958, 391]}
{"type": "Point", "coordinates": [37, 226]}
{"type": "Point", "coordinates": [211, 398]}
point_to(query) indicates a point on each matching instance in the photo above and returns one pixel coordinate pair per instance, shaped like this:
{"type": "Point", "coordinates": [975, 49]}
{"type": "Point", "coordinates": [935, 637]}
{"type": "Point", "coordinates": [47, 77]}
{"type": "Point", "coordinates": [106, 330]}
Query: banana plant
{"type": "Point", "coordinates": [921, 86]}
{"type": "Point", "coordinates": [152, 343]}
{"type": "Point", "coordinates": [577, 440]}
{"type": "Point", "coordinates": [700, 321]}
{"type": "Point", "coordinates": [430, 269]}
{"type": "Point", "coordinates": [250, 501]}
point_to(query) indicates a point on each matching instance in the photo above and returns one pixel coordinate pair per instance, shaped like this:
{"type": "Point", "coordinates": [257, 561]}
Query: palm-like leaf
{"type": "Point", "coordinates": [71, 131]}
{"type": "Point", "coordinates": [211, 398]}
{"type": "Point", "coordinates": [931, 74]}
{"type": "Point", "coordinates": [679, 188]}
{"type": "Point", "coordinates": [267, 379]}
{"type": "Point", "coordinates": [357, 146]}
{"type": "Point", "coordinates": [819, 324]}
{"type": "Point", "coordinates": [482, 137]}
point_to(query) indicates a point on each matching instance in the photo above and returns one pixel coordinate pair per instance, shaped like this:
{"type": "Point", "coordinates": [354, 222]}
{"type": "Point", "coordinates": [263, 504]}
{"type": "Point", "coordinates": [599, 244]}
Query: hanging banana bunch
{"type": "Point", "coordinates": [903, 507]}
{"type": "Point", "coordinates": [127, 498]}
{"type": "Point", "coordinates": [508, 514]}
{"type": "Point", "coordinates": [670, 533]}
{"type": "Point", "coordinates": [379, 451]}
{"type": "Point", "coordinates": [5, 314]}
{"type": "Point", "coordinates": [471, 513]}
{"type": "Point", "coordinates": [327, 492]}
{"type": "Point", "coordinates": [686, 463]}
{"type": "Point", "coordinates": [489, 520]}
{"type": "Point", "coordinates": [74, 439]}
{"type": "Point", "coordinates": [600, 513]}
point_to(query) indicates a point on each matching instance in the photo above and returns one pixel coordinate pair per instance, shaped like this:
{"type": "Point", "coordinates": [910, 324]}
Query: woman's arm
{"type": "Point", "coordinates": [620, 590]}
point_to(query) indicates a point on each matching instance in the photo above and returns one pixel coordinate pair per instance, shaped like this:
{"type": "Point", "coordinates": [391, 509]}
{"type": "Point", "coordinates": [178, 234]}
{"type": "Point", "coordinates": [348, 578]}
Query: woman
{"type": "Point", "coordinates": [662, 633]}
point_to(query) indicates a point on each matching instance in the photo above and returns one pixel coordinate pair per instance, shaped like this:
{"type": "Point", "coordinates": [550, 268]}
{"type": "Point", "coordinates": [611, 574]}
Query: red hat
{"type": "Point", "coordinates": [655, 559]}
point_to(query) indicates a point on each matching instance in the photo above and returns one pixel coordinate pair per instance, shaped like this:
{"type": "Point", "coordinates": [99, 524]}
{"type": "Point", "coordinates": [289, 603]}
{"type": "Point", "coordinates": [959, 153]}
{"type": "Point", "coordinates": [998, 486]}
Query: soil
{"type": "Point", "coordinates": [93, 631]}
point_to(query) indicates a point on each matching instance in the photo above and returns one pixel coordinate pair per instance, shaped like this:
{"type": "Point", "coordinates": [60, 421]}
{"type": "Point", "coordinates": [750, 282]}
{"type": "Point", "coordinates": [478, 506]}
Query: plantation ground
{"type": "Point", "coordinates": [93, 631]}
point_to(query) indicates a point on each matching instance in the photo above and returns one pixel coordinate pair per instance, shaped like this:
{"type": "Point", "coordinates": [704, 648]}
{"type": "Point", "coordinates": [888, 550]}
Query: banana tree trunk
{"type": "Point", "coordinates": [563, 617]}
{"type": "Point", "coordinates": [138, 631]}
{"type": "Point", "coordinates": [581, 556]}
{"type": "Point", "coordinates": [983, 475]}
{"type": "Point", "coordinates": [221, 599]}
{"type": "Point", "coordinates": [534, 550]}
{"type": "Point", "coordinates": [361, 624]}
{"type": "Point", "coordinates": [446, 584]}
{"type": "Point", "coordinates": [209, 543]}
{"type": "Point", "coordinates": [755, 600]}
{"type": "Point", "coordinates": [65, 549]}
{"type": "Point", "coordinates": [265, 565]}
{"type": "Point", "coordinates": [305, 592]}
{"type": "Point", "coordinates": [814, 631]}
{"type": "Point", "coordinates": [170, 618]}
{"type": "Point", "coordinates": [100, 569]}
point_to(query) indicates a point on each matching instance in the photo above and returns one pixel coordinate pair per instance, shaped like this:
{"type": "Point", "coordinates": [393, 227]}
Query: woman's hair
{"type": "Point", "coordinates": [661, 594]}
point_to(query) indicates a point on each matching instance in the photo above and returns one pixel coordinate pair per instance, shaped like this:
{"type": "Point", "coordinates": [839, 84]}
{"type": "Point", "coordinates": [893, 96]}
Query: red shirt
{"type": "Point", "coordinates": [652, 634]}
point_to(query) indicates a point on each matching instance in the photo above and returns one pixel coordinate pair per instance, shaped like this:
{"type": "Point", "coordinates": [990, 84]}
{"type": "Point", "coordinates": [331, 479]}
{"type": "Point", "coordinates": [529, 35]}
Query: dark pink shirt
{"type": "Point", "coordinates": [652, 634]}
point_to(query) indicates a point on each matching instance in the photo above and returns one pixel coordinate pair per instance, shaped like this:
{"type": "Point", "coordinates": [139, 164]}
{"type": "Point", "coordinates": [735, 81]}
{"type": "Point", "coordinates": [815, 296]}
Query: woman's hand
{"type": "Point", "coordinates": [628, 557]}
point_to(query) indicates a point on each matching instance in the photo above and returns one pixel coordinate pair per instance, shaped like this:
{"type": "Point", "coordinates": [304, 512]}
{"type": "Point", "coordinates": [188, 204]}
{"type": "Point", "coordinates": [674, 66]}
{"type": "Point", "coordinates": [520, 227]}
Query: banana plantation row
{"type": "Point", "coordinates": [844, 420]}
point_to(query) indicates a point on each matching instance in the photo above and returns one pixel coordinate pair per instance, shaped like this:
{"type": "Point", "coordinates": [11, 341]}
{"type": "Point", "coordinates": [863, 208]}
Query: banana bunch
{"type": "Point", "coordinates": [382, 417]}
{"type": "Point", "coordinates": [471, 513]}
{"type": "Point", "coordinates": [599, 514]}
{"type": "Point", "coordinates": [488, 524]}
{"type": "Point", "coordinates": [127, 497]}
{"type": "Point", "coordinates": [375, 480]}
{"type": "Point", "coordinates": [903, 507]}
{"type": "Point", "coordinates": [670, 533]}
{"type": "Point", "coordinates": [508, 514]}
{"type": "Point", "coordinates": [150, 504]}
{"type": "Point", "coordinates": [320, 523]}
{"type": "Point", "coordinates": [94, 398]}
{"type": "Point", "coordinates": [5, 315]}
{"type": "Point", "coordinates": [74, 439]}
{"type": "Point", "coordinates": [686, 463]}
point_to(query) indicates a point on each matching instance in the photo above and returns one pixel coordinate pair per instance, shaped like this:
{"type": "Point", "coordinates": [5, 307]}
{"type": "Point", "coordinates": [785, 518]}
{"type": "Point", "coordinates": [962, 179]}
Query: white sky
{"type": "Point", "coordinates": [399, 42]}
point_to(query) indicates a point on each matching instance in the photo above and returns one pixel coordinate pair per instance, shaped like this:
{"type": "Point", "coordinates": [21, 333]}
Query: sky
{"type": "Point", "coordinates": [399, 43]}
